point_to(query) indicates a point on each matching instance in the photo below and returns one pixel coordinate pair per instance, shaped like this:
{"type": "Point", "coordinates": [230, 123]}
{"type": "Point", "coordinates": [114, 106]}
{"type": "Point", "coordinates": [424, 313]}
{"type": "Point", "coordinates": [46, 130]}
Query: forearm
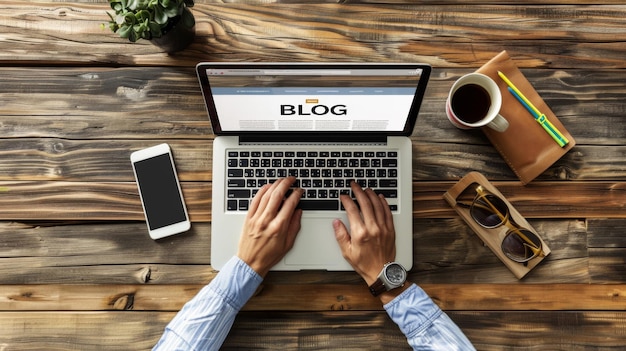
{"type": "Point", "coordinates": [424, 324]}
{"type": "Point", "coordinates": [204, 321]}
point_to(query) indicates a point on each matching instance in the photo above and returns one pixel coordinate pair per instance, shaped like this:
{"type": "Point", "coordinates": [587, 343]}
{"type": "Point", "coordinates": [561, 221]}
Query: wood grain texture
{"type": "Point", "coordinates": [82, 330]}
{"type": "Point", "coordinates": [445, 251]}
{"type": "Point", "coordinates": [90, 201]}
{"type": "Point", "coordinates": [43, 139]}
{"type": "Point", "coordinates": [328, 297]}
{"type": "Point", "coordinates": [78, 270]}
{"type": "Point", "coordinates": [141, 102]}
{"type": "Point", "coordinates": [487, 330]}
{"type": "Point", "coordinates": [445, 36]}
{"type": "Point", "coordinates": [120, 201]}
{"type": "Point", "coordinates": [312, 331]}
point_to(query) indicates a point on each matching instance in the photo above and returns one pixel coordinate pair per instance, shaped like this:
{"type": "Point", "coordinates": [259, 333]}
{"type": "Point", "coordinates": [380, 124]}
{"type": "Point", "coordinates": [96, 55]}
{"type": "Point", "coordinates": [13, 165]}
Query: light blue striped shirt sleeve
{"type": "Point", "coordinates": [204, 321]}
{"type": "Point", "coordinates": [425, 325]}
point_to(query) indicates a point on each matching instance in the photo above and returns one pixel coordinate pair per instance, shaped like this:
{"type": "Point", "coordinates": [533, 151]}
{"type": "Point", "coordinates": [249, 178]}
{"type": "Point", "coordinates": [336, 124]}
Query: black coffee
{"type": "Point", "coordinates": [471, 103]}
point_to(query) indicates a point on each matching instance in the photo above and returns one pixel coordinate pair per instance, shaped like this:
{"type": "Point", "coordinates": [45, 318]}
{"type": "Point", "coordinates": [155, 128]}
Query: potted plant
{"type": "Point", "coordinates": [168, 23]}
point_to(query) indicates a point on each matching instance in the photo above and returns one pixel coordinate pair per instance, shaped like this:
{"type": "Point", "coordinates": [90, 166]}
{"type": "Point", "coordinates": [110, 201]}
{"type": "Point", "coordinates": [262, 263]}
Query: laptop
{"type": "Point", "coordinates": [325, 123]}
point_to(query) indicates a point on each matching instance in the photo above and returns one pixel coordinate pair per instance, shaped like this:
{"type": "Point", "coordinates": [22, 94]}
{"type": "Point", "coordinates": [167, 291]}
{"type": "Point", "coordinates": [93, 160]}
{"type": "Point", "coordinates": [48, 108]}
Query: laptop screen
{"type": "Point", "coordinates": [313, 98]}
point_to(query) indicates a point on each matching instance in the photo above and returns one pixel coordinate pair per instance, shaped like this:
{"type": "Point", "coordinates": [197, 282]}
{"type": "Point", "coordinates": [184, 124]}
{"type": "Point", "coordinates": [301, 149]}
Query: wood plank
{"type": "Point", "coordinates": [566, 330]}
{"type": "Point", "coordinates": [606, 233]}
{"type": "Point", "coordinates": [41, 159]}
{"type": "Point", "coordinates": [607, 265]}
{"type": "Point", "coordinates": [312, 331]}
{"type": "Point", "coordinates": [43, 271]}
{"type": "Point", "coordinates": [487, 330]}
{"type": "Point", "coordinates": [316, 331]}
{"type": "Point", "coordinates": [120, 200]}
{"type": "Point", "coordinates": [103, 103]}
{"type": "Point", "coordinates": [607, 250]}
{"type": "Point", "coordinates": [64, 245]}
{"type": "Point", "coordinates": [90, 201]}
{"type": "Point", "coordinates": [315, 297]}
{"type": "Point", "coordinates": [81, 330]}
{"type": "Point", "coordinates": [37, 159]}
{"type": "Point", "coordinates": [56, 159]}
{"type": "Point", "coordinates": [66, 160]}
{"type": "Point", "coordinates": [443, 35]}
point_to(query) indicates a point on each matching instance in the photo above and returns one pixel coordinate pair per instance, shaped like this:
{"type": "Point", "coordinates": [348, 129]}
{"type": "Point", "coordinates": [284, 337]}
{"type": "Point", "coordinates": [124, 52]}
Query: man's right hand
{"type": "Point", "coordinates": [371, 241]}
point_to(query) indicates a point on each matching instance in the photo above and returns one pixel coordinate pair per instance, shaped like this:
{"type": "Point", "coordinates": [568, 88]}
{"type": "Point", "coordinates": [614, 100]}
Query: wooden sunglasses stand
{"type": "Point", "coordinates": [493, 237]}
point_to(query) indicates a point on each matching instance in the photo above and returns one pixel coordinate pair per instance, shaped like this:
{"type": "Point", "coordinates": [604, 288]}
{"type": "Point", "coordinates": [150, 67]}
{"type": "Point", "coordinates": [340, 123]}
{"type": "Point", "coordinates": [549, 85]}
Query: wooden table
{"type": "Point", "coordinates": [79, 272]}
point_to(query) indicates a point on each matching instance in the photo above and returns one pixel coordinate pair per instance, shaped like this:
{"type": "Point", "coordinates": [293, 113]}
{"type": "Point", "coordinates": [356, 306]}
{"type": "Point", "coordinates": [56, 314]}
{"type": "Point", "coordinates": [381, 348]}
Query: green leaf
{"type": "Point", "coordinates": [142, 15]}
{"type": "Point", "coordinates": [160, 17]}
{"type": "Point", "coordinates": [116, 5]}
{"type": "Point", "coordinates": [125, 31]}
{"type": "Point", "coordinates": [133, 36]}
{"type": "Point", "coordinates": [141, 29]}
{"type": "Point", "coordinates": [155, 29]}
{"type": "Point", "coordinates": [134, 4]}
{"type": "Point", "coordinates": [127, 18]}
{"type": "Point", "coordinates": [172, 10]}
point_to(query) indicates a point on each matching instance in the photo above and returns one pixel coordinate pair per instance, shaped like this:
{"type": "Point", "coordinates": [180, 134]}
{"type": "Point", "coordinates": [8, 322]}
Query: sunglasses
{"type": "Point", "coordinates": [490, 212]}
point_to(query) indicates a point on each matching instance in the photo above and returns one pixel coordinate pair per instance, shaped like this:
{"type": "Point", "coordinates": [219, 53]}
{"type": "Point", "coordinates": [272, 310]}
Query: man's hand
{"type": "Point", "coordinates": [372, 239]}
{"type": "Point", "coordinates": [271, 225]}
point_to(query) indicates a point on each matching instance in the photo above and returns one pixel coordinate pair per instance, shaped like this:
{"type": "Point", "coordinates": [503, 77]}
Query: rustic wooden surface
{"type": "Point", "coordinates": [79, 272]}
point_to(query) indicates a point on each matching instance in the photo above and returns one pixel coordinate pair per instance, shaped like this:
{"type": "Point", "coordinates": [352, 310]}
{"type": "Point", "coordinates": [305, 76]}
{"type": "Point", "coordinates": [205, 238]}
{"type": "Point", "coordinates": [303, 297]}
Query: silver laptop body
{"type": "Point", "coordinates": [325, 123]}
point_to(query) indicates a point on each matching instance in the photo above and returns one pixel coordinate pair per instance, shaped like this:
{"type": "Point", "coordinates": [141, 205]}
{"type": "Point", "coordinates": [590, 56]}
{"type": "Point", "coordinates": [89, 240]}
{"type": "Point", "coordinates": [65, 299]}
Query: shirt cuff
{"type": "Point", "coordinates": [236, 283]}
{"type": "Point", "coordinates": [413, 310]}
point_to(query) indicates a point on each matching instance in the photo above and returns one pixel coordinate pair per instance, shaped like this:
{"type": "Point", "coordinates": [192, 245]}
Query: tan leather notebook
{"type": "Point", "coordinates": [527, 148]}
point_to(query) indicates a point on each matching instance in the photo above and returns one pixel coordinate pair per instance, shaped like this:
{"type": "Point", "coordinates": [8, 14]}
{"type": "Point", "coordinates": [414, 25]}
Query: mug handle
{"type": "Point", "coordinates": [499, 124]}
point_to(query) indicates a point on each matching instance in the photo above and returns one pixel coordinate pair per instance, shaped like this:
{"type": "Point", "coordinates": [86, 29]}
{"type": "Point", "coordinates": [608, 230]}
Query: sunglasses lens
{"type": "Point", "coordinates": [489, 211]}
{"type": "Point", "coordinates": [521, 245]}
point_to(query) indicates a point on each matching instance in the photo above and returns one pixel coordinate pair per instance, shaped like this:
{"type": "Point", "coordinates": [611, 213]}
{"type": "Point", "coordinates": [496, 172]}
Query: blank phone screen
{"type": "Point", "coordinates": [159, 191]}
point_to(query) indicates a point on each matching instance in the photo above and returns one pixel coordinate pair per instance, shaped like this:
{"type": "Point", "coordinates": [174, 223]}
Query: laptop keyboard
{"type": "Point", "coordinates": [324, 175]}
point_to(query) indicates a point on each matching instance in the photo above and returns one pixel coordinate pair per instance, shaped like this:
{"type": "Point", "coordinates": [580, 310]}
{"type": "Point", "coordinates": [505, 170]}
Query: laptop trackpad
{"type": "Point", "coordinates": [316, 246]}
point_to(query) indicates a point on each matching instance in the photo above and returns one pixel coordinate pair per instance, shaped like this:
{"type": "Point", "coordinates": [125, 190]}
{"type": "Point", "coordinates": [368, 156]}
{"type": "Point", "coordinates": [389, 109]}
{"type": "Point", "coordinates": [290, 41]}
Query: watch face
{"type": "Point", "coordinates": [395, 274]}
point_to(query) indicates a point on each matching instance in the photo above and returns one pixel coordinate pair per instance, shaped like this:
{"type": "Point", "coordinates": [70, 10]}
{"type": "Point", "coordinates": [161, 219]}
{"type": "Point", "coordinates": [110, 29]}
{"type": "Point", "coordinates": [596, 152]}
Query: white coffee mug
{"type": "Point", "coordinates": [474, 101]}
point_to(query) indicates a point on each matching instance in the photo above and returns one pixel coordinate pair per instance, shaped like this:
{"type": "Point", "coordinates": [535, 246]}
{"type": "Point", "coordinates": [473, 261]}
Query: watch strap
{"type": "Point", "coordinates": [378, 287]}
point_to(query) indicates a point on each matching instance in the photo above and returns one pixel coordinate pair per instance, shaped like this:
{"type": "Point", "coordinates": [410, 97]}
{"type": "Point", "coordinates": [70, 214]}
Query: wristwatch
{"type": "Point", "coordinates": [391, 277]}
